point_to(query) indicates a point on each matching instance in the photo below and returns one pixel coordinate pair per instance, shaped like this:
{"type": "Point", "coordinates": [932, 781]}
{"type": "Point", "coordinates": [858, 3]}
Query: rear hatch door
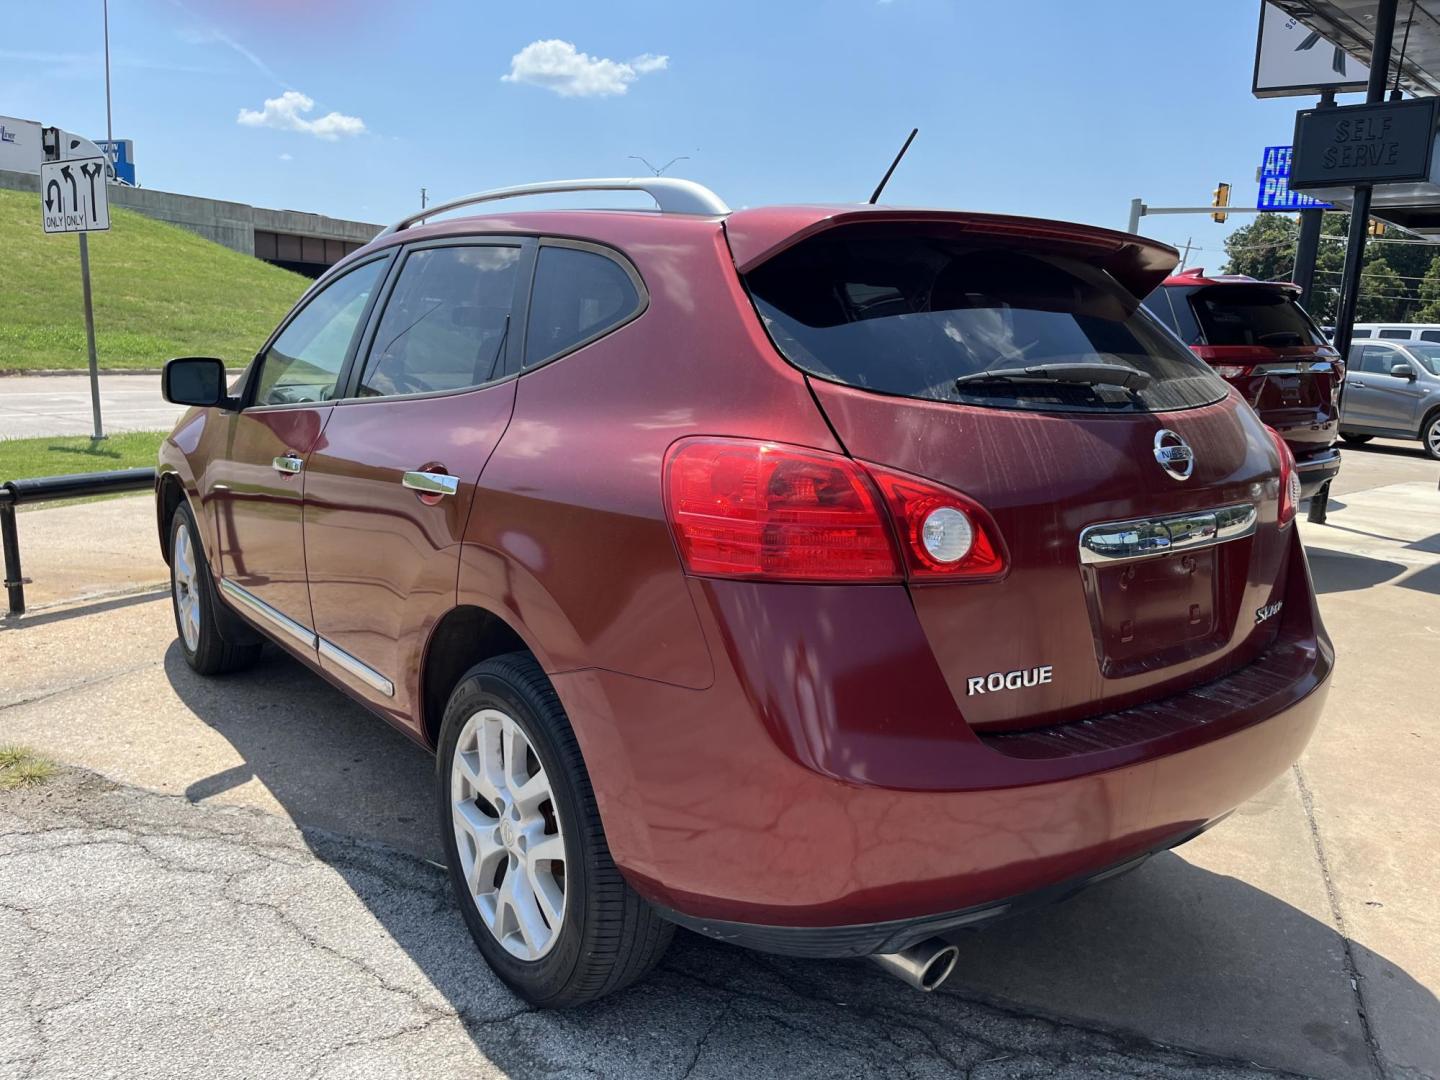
{"type": "Point", "coordinates": [887, 315]}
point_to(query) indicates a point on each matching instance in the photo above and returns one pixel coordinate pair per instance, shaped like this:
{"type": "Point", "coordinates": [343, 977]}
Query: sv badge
{"type": "Point", "coordinates": [1268, 611]}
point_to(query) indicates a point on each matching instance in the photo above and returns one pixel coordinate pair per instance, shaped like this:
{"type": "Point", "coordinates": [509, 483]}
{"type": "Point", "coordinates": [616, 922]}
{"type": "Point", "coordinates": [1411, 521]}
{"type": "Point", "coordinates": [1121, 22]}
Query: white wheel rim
{"type": "Point", "coordinates": [186, 588]}
{"type": "Point", "coordinates": [1434, 438]}
{"type": "Point", "coordinates": [508, 833]}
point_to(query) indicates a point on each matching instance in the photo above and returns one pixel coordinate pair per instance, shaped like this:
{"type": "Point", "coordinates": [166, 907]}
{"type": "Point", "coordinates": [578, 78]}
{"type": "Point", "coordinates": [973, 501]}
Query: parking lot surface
{"type": "Point", "coordinates": [259, 847]}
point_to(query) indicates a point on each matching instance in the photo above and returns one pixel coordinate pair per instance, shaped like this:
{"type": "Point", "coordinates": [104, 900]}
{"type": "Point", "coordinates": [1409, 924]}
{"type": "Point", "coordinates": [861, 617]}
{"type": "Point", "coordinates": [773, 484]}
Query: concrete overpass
{"type": "Point", "coordinates": [305, 243]}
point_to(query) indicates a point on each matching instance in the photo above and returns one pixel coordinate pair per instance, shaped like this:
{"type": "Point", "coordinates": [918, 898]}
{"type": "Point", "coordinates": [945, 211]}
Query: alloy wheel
{"type": "Point", "coordinates": [186, 588]}
{"type": "Point", "coordinates": [508, 834]}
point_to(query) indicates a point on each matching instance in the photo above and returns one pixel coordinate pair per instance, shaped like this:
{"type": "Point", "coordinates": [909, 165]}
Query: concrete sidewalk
{"type": "Point", "coordinates": [37, 405]}
{"type": "Point", "coordinates": [1302, 934]}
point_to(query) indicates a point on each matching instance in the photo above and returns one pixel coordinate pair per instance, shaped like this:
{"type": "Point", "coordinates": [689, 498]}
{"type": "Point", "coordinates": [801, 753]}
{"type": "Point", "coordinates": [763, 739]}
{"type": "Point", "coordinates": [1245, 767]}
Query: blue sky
{"type": "Point", "coordinates": [1048, 107]}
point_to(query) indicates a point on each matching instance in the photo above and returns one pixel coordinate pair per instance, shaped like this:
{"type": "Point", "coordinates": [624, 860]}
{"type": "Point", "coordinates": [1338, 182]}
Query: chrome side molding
{"type": "Point", "coordinates": [306, 637]}
{"type": "Point", "coordinates": [257, 607]}
{"type": "Point", "coordinates": [366, 674]}
{"type": "Point", "coordinates": [1119, 541]}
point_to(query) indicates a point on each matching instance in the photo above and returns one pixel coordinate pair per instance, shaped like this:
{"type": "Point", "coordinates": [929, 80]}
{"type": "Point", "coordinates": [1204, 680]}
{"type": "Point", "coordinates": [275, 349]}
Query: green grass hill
{"type": "Point", "coordinates": [159, 292]}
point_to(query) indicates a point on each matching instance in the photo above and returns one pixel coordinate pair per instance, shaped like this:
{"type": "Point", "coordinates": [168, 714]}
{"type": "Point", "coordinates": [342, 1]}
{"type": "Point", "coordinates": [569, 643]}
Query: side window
{"type": "Point", "coordinates": [1358, 333]}
{"type": "Point", "coordinates": [1395, 335]}
{"type": "Point", "coordinates": [446, 323]}
{"type": "Point", "coordinates": [578, 295]}
{"type": "Point", "coordinates": [304, 362]}
{"type": "Point", "coordinates": [1377, 359]}
{"type": "Point", "coordinates": [1430, 335]}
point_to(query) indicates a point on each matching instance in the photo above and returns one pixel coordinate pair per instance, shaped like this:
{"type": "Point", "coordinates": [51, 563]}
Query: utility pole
{"type": "Point", "coordinates": [1308, 246]}
{"type": "Point", "coordinates": [109, 132]}
{"type": "Point", "coordinates": [1185, 258]}
{"type": "Point", "coordinates": [422, 198]}
{"type": "Point", "coordinates": [661, 170]}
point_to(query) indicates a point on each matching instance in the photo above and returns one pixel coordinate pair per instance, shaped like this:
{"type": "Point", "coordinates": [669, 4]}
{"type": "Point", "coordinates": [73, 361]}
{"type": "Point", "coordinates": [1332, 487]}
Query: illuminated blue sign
{"type": "Point", "coordinates": [1275, 193]}
{"type": "Point", "coordinates": [121, 154]}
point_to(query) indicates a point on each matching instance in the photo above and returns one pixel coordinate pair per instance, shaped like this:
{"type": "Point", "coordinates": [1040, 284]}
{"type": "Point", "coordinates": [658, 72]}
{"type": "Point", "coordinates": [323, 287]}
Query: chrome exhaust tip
{"type": "Point", "coordinates": [924, 965]}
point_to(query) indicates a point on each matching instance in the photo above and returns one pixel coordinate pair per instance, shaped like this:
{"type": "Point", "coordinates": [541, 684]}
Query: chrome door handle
{"type": "Point", "coordinates": [1356, 382]}
{"type": "Point", "coordinates": [431, 483]}
{"type": "Point", "coordinates": [289, 464]}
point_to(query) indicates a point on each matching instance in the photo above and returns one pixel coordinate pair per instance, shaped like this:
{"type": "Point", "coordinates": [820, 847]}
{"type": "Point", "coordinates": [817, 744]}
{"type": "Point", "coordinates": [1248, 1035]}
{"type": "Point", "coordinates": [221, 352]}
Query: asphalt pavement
{"type": "Point", "coordinates": [246, 888]}
{"type": "Point", "coordinates": [38, 405]}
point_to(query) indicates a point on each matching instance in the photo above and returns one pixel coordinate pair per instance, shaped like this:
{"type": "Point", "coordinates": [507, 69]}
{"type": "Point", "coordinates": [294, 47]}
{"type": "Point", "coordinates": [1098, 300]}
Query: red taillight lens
{"type": "Point", "coordinates": [750, 509]}
{"type": "Point", "coordinates": [1289, 481]}
{"type": "Point", "coordinates": [943, 534]}
{"type": "Point", "coordinates": [762, 510]}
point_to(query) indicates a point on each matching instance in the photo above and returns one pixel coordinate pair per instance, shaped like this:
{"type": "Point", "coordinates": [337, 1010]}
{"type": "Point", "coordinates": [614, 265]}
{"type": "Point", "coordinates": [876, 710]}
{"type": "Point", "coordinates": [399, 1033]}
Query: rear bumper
{"type": "Point", "coordinates": [866, 939]}
{"type": "Point", "coordinates": [1316, 469]}
{"type": "Point", "coordinates": [824, 796]}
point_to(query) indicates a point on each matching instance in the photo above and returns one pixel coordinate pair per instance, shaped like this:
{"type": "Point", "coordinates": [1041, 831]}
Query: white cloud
{"type": "Point", "coordinates": [287, 157]}
{"type": "Point", "coordinates": [284, 113]}
{"type": "Point", "coordinates": [557, 66]}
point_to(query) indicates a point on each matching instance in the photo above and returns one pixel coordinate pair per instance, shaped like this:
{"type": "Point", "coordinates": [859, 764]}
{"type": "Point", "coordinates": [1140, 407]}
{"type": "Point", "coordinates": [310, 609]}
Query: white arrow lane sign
{"type": "Point", "coordinates": [73, 197]}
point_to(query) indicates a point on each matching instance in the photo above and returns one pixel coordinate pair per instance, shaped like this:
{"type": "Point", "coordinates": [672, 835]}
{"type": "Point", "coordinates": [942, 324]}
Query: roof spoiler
{"type": "Point", "coordinates": [1140, 264]}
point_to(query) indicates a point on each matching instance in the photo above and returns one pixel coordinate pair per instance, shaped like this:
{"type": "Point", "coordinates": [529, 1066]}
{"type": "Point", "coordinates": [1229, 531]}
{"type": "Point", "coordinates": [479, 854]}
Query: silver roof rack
{"type": "Point", "coordinates": [672, 195]}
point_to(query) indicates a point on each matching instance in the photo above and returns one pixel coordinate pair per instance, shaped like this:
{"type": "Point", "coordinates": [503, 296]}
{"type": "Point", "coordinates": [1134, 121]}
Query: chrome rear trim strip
{"type": "Point", "coordinates": [253, 604]}
{"type": "Point", "coordinates": [1144, 538]}
{"type": "Point", "coordinates": [366, 674]}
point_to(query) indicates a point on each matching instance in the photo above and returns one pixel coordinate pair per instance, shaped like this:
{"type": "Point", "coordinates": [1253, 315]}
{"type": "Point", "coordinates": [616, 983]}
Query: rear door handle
{"type": "Point", "coordinates": [1356, 382]}
{"type": "Point", "coordinates": [289, 464]}
{"type": "Point", "coordinates": [431, 483]}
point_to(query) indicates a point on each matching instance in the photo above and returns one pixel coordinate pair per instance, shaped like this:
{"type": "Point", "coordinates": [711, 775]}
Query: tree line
{"type": "Point", "coordinates": [1400, 281]}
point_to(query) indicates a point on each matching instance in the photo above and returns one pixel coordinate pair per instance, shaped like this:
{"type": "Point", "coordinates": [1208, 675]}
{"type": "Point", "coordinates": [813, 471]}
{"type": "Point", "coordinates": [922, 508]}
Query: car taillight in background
{"type": "Point", "coordinates": [1289, 480]}
{"type": "Point", "coordinates": [748, 509]}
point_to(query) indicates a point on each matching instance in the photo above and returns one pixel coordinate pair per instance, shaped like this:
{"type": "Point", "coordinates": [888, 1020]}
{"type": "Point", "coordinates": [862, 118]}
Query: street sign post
{"type": "Point", "coordinates": [73, 198]}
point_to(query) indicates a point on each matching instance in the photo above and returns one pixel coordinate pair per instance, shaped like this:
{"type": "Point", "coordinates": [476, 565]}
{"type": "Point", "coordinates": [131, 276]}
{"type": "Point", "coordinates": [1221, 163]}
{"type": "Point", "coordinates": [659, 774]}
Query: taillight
{"type": "Point", "coordinates": [762, 510]}
{"type": "Point", "coordinates": [1289, 481]}
{"type": "Point", "coordinates": [759, 510]}
{"type": "Point", "coordinates": [942, 533]}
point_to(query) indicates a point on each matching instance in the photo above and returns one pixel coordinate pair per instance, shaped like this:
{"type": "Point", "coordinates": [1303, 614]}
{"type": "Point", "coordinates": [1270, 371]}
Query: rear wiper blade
{"type": "Point", "coordinates": [1082, 374]}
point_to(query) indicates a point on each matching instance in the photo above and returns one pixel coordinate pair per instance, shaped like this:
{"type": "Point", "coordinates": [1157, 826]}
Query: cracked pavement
{"type": "Point", "coordinates": [142, 935]}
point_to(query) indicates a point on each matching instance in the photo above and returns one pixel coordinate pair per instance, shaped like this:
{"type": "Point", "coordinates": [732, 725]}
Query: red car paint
{"type": "Point", "coordinates": [769, 755]}
{"type": "Point", "coordinates": [1294, 387]}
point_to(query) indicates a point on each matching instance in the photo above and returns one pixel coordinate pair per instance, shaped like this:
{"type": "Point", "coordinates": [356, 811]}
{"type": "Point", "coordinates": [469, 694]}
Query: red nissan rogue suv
{"type": "Point", "coordinates": [821, 579]}
{"type": "Point", "coordinates": [1258, 339]}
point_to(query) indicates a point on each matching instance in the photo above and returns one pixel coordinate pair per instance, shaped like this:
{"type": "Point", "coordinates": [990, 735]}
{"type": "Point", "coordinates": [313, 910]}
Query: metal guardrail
{"type": "Point", "coordinates": [48, 489]}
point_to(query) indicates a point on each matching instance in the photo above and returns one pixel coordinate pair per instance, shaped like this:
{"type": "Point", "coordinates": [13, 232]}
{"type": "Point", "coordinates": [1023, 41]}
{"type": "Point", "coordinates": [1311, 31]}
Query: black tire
{"type": "Point", "coordinates": [609, 937]}
{"type": "Point", "coordinates": [211, 652]}
{"type": "Point", "coordinates": [1430, 435]}
{"type": "Point", "coordinates": [1355, 440]}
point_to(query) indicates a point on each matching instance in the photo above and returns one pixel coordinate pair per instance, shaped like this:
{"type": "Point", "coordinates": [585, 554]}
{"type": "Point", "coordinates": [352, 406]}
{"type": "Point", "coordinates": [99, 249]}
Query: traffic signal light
{"type": "Point", "coordinates": [1376, 227]}
{"type": "Point", "coordinates": [1220, 198]}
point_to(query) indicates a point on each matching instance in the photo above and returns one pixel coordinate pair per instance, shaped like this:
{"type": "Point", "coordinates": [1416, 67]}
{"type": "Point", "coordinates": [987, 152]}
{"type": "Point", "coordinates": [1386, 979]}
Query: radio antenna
{"type": "Point", "coordinates": [886, 178]}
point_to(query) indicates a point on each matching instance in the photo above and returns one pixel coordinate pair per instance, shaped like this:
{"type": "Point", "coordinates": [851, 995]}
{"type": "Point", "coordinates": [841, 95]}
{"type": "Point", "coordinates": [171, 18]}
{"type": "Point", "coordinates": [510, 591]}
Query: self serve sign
{"type": "Point", "coordinates": [73, 197]}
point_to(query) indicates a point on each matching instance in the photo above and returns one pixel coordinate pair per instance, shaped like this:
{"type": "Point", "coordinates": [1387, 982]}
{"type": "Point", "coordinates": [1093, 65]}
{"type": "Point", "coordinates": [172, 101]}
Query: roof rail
{"type": "Point", "coordinates": [672, 195]}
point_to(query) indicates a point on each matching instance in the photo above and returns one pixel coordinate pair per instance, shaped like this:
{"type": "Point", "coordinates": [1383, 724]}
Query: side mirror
{"type": "Point", "coordinates": [1402, 371]}
{"type": "Point", "coordinates": [195, 380]}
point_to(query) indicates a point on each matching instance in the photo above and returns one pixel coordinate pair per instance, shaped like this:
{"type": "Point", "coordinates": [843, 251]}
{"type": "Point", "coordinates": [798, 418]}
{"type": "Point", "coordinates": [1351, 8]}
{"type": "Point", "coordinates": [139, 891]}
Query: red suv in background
{"type": "Point", "coordinates": [821, 579]}
{"type": "Point", "coordinates": [1259, 340]}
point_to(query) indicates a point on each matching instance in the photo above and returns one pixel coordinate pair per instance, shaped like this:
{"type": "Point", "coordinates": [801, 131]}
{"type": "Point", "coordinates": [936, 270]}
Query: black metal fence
{"type": "Point", "coordinates": [47, 489]}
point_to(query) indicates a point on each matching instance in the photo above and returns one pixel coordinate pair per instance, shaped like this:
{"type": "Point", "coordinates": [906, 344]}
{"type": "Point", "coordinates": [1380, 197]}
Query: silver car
{"type": "Point", "coordinates": [1392, 390]}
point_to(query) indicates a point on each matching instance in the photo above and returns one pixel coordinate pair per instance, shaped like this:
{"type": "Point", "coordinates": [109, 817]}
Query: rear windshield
{"type": "Point", "coordinates": [910, 314]}
{"type": "Point", "coordinates": [1245, 315]}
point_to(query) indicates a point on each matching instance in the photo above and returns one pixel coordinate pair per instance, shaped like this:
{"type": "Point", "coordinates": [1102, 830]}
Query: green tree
{"type": "Point", "coordinates": [1429, 292]}
{"type": "Point", "coordinates": [1264, 249]}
